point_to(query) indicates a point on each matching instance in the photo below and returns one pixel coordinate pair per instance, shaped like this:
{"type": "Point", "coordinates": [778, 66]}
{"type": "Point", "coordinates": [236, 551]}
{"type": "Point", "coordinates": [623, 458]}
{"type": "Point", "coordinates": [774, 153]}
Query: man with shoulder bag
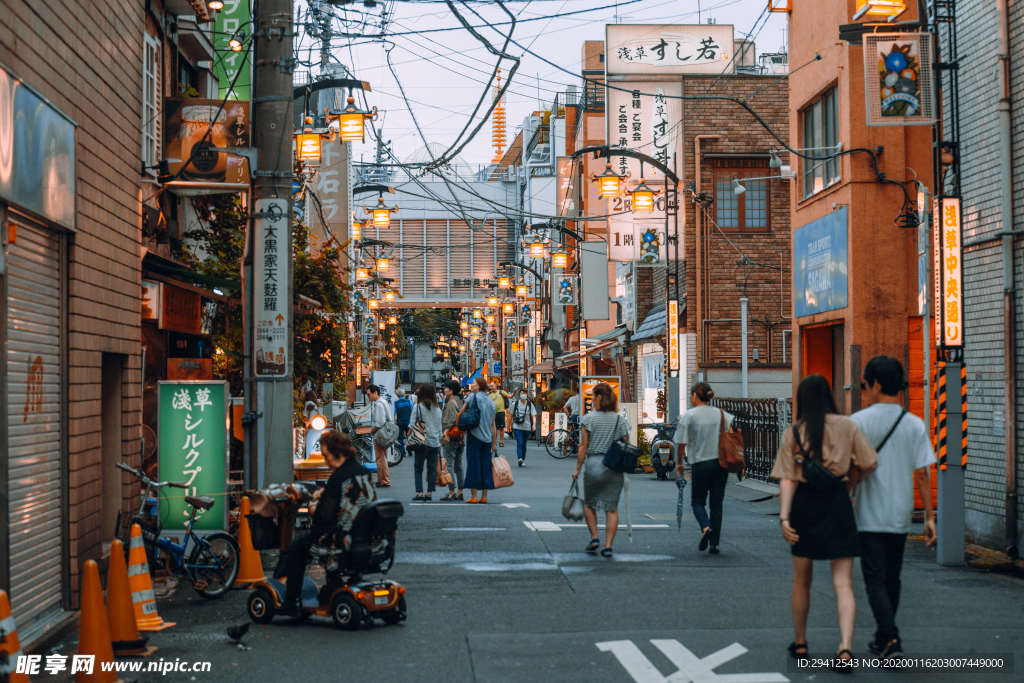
{"type": "Point", "coordinates": [380, 414]}
{"type": "Point", "coordinates": [452, 443]}
{"type": "Point", "coordinates": [884, 501]}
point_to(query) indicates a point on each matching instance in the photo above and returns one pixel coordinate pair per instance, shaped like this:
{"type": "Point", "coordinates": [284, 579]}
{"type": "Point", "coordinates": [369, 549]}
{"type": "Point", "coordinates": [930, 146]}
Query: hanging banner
{"type": "Point", "coordinates": [567, 193]}
{"type": "Point", "coordinates": [385, 380]}
{"type": "Point", "coordinates": [948, 273]}
{"type": "Point", "coordinates": [332, 189]}
{"type": "Point", "coordinates": [511, 329]}
{"type": "Point", "coordinates": [673, 338]}
{"type": "Point", "coordinates": [566, 292]}
{"type": "Point", "coordinates": [193, 448]}
{"type": "Point", "coordinates": [272, 312]}
{"type": "Point", "coordinates": [518, 360]}
{"type": "Point", "coordinates": [235, 16]}
{"type": "Point", "coordinates": [898, 79]}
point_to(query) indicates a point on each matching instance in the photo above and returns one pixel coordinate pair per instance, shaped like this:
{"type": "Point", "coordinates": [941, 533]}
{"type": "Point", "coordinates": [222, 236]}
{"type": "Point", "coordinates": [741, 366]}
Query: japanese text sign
{"type": "Point", "coordinates": [272, 312]}
{"type": "Point", "coordinates": [673, 336]}
{"type": "Point", "coordinates": [949, 309]}
{"type": "Point", "coordinates": [668, 49]}
{"type": "Point", "coordinates": [234, 16]}
{"type": "Point", "coordinates": [193, 449]}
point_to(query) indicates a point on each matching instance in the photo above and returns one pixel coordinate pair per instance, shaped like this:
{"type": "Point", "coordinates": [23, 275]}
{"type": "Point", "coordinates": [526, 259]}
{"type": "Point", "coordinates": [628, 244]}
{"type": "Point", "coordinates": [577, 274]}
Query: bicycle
{"type": "Point", "coordinates": [213, 565]}
{"type": "Point", "coordinates": [561, 442]}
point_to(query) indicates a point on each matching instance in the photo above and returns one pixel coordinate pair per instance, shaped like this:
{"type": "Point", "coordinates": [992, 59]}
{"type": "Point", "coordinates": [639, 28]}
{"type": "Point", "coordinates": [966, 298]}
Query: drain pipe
{"type": "Point", "coordinates": [1006, 220]}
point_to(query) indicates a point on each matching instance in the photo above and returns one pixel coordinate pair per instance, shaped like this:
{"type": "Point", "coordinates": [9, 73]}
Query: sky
{"type": "Point", "coordinates": [444, 72]}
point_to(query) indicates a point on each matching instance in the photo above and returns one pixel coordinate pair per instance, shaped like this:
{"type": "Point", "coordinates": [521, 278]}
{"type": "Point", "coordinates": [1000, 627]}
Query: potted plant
{"type": "Point", "coordinates": [661, 404]}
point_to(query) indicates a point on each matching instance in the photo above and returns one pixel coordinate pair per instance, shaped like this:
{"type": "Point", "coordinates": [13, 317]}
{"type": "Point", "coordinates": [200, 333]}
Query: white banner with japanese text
{"type": "Point", "coordinates": [272, 311]}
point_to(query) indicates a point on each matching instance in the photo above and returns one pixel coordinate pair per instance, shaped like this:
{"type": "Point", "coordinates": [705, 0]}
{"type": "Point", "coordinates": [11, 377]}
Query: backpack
{"type": "Point", "coordinates": [403, 410]}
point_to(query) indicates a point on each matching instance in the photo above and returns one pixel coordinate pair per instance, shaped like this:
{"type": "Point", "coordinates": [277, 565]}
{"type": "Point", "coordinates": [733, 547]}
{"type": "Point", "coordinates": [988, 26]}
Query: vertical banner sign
{"type": "Point", "coordinates": [193, 441]}
{"type": "Point", "coordinates": [948, 271]}
{"type": "Point", "coordinates": [566, 290]}
{"type": "Point", "coordinates": [566, 191]}
{"type": "Point", "coordinates": [234, 16]}
{"type": "Point", "coordinates": [673, 337]}
{"type": "Point", "coordinates": [545, 423]}
{"type": "Point", "coordinates": [272, 311]}
{"type": "Point", "coordinates": [332, 191]}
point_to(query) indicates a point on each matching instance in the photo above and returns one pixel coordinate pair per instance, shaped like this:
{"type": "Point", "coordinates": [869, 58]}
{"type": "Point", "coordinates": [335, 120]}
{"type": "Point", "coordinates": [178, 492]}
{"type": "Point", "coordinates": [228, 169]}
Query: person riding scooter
{"type": "Point", "coordinates": [348, 490]}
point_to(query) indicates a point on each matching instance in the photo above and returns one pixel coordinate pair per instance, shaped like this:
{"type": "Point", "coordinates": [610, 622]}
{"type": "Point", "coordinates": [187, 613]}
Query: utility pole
{"type": "Point", "coordinates": [270, 258]}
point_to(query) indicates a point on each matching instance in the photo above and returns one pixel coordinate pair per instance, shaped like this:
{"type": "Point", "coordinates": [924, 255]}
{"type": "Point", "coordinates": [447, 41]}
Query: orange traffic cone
{"type": "Point", "coordinates": [146, 617]}
{"type": "Point", "coordinates": [93, 629]}
{"type": "Point", "coordinates": [250, 567]}
{"type": "Point", "coordinates": [124, 631]}
{"type": "Point", "coordinates": [10, 646]}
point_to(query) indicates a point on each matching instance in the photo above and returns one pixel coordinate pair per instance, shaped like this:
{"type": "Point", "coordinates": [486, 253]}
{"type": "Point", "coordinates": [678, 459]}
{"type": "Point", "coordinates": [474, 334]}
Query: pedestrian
{"type": "Point", "coordinates": [524, 419]}
{"type": "Point", "coordinates": [697, 436]}
{"type": "Point", "coordinates": [821, 458]}
{"type": "Point", "coordinates": [481, 443]}
{"type": "Point", "coordinates": [884, 502]}
{"type": "Point", "coordinates": [573, 406]}
{"type": "Point", "coordinates": [451, 446]}
{"type": "Point", "coordinates": [500, 399]}
{"type": "Point", "coordinates": [601, 486]}
{"type": "Point", "coordinates": [403, 409]}
{"type": "Point", "coordinates": [379, 412]}
{"type": "Point", "coordinates": [428, 415]}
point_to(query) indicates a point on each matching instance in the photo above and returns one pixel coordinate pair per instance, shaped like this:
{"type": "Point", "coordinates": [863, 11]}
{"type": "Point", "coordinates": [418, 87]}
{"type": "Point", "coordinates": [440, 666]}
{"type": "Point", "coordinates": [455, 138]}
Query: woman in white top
{"type": "Point", "coordinates": [426, 414]}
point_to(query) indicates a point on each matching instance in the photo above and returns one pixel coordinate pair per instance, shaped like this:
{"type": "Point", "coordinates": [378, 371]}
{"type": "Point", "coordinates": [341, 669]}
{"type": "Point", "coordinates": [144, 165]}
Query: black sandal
{"type": "Point", "coordinates": [592, 547]}
{"type": "Point", "coordinates": [794, 646]}
{"type": "Point", "coordinates": [842, 668]}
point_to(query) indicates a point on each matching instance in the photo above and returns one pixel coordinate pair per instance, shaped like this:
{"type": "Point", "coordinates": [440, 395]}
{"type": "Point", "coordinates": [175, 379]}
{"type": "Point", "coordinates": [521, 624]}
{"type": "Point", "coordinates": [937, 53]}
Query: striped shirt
{"type": "Point", "coordinates": [604, 428]}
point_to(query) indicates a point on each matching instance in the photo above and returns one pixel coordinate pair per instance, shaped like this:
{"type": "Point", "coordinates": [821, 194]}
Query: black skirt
{"type": "Point", "coordinates": [825, 522]}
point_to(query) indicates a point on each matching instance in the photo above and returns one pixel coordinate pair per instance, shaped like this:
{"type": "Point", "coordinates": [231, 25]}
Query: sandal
{"type": "Point", "coordinates": [846, 668]}
{"type": "Point", "coordinates": [794, 647]}
{"type": "Point", "coordinates": [592, 546]}
{"type": "Point", "coordinates": [471, 500]}
{"type": "Point", "coordinates": [606, 552]}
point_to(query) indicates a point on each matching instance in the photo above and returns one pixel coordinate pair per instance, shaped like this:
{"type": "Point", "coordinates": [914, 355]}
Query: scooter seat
{"type": "Point", "coordinates": [200, 502]}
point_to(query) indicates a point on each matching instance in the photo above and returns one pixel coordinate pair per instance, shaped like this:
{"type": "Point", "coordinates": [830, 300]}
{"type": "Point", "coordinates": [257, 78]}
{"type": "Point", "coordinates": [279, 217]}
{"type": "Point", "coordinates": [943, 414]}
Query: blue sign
{"type": "Point", "coordinates": [820, 265]}
{"type": "Point", "coordinates": [496, 368]}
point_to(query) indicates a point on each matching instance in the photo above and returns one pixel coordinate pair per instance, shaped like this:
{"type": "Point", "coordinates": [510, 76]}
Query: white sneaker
{"type": "Point", "coordinates": [520, 463]}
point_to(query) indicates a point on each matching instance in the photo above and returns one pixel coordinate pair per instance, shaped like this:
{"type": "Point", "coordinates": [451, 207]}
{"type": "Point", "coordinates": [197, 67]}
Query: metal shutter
{"type": "Point", "coordinates": [33, 422]}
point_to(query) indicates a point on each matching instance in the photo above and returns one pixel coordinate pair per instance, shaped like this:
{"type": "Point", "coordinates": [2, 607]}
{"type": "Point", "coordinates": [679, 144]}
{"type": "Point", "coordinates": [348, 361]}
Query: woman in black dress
{"type": "Point", "coordinates": [821, 458]}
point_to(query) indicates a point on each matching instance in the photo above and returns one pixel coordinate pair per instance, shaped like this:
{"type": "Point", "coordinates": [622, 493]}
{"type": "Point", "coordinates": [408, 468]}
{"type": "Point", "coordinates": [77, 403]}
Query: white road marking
{"type": "Point", "coordinates": [554, 526]}
{"type": "Point", "coordinates": [474, 528]}
{"type": "Point", "coordinates": [515, 505]}
{"type": "Point", "coordinates": [542, 526]}
{"type": "Point", "coordinates": [692, 669]}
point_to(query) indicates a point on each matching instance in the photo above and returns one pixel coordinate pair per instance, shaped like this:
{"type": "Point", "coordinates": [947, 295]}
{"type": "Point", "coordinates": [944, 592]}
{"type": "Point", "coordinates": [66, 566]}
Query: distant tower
{"type": "Point", "coordinates": [498, 123]}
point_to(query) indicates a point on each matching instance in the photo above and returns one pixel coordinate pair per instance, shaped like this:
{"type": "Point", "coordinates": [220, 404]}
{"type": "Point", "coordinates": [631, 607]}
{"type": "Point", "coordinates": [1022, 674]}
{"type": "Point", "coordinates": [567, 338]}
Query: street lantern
{"type": "Point", "coordinates": [491, 320]}
{"type": "Point", "coordinates": [236, 41]}
{"type": "Point", "coordinates": [508, 308]}
{"type": "Point", "coordinates": [392, 320]}
{"type": "Point", "coordinates": [318, 422]}
{"type": "Point", "coordinates": [559, 259]}
{"type": "Point", "coordinates": [643, 198]}
{"type": "Point", "coordinates": [357, 231]}
{"type": "Point", "coordinates": [350, 121]}
{"type": "Point", "coordinates": [521, 290]}
{"type": "Point", "coordinates": [477, 313]}
{"type": "Point", "coordinates": [536, 250]}
{"type": "Point", "coordinates": [374, 303]}
{"type": "Point", "coordinates": [504, 283]}
{"type": "Point", "coordinates": [475, 331]}
{"type": "Point", "coordinates": [215, 4]}
{"type": "Point", "coordinates": [383, 264]}
{"type": "Point", "coordinates": [381, 325]}
{"type": "Point", "coordinates": [362, 274]}
{"type": "Point", "coordinates": [389, 297]}
{"type": "Point", "coordinates": [492, 301]}
{"type": "Point", "coordinates": [465, 335]}
{"type": "Point", "coordinates": [307, 146]}
{"type": "Point", "coordinates": [608, 183]}
{"type": "Point", "coordinates": [381, 213]}
{"type": "Point", "coordinates": [464, 325]}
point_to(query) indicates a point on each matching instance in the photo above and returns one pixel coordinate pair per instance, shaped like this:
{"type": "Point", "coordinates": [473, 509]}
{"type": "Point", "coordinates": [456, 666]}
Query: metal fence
{"type": "Point", "coordinates": [762, 421]}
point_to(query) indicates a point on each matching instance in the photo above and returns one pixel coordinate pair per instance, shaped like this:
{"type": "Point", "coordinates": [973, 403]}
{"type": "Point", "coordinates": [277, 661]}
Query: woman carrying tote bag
{"type": "Point", "coordinates": [822, 456]}
{"type": "Point", "coordinates": [601, 486]}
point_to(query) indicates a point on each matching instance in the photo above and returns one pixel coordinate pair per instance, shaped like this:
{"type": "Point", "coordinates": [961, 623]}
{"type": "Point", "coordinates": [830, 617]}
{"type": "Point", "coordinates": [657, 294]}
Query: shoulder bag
{"type": "Point", "coordinates": [469, 418]}
{"type": "Point", "coordinates": [730, 450]}
{"type": "Point", "coordinates": [815, 473]}
{"type": "Point", "coordinates": [417, 434]}
{"type": "Point", "coordinates": [454, 432]}
{"type": "Point", "coordinates": [621, 455]}
{"type": "Point", "coordinates": [572, 504]}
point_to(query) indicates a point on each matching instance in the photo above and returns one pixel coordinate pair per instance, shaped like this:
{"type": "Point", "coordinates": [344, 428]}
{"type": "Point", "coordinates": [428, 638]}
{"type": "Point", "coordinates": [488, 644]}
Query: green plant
{"type": "Point", "coordinates": [645, 448]}
{"type": "Point", "coordinates": [661, 402]}
{"type": "Point", "coordinates": [553, 400]}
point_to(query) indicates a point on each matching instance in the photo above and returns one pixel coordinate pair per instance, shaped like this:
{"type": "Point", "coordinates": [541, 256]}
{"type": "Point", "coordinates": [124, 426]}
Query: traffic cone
{"type": "Point", "coordinates": [146, 617]}
{"type": "Point", "coordinates": [124, 632]}
{"type": "Point", "coordinates": [93, 628]}
{"type": "Point", "coordinates": [250, 567]}
{"type": "Point", "coordinates": [10, 646]}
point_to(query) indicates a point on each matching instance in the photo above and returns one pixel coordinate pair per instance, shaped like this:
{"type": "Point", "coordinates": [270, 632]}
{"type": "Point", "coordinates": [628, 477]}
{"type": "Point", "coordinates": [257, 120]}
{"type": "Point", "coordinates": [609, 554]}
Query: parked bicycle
{"type": "Point", "coordinates": [359, 432]}
{"type": "Point", "coordinates": [213, 564]}
{"type": "Point", "coordinates": [560, 443]}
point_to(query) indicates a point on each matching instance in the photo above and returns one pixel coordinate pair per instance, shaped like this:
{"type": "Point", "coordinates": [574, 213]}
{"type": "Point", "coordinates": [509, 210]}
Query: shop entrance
{"type": "Point", "coordinates": [824, 354]}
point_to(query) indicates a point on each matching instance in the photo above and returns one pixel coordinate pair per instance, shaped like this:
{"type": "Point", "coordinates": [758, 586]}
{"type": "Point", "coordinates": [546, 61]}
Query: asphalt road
{"type": "Point", "coordinates": [499, 593]}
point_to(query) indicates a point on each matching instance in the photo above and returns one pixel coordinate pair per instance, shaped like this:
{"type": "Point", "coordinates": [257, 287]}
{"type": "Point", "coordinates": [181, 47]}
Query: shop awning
{"type": "Point", "coordinates": [575, 356]}
{"type": "Point", "coordinates": [165, 266]}
{"type": "Point", "coordinates": [544, 368]}
{"type": "Point", "coordinates": [653, 326]}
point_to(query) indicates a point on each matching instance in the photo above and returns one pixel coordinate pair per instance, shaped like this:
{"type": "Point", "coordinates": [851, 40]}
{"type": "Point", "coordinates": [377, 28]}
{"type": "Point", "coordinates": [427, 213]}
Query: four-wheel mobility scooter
{"type": "Point", "coordinates": [346, 597]}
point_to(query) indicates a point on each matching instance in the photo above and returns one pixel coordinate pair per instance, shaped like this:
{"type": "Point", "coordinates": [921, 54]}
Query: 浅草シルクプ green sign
{"type": "Point", "coordinates": [193, 449]}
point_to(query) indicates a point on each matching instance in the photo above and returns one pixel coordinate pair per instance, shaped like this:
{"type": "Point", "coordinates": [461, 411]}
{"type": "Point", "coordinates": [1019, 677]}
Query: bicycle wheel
{"type": "Point", "coordinates": [214, 567]}
{"type": "Point", "coordinates": [364, 447]}
{"type": "Point", "coordinates": [395, 456]}
{"type": "Point", "coordinates": [562, 438]}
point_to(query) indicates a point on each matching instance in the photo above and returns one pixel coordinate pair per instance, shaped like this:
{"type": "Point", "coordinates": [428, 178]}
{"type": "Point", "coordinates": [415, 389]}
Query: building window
{"type": "Point", "coordinates": [746, 212]}
{"type": "Point", "coordinates": [150, 102]}
{"type": "Point", "coordinates": [188, 79]}
{"type": "Point", "coordinates": [820, 123]}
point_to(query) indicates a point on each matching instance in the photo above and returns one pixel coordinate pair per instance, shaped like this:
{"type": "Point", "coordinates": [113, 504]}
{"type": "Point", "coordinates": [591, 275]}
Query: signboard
{"type": "Point", "coordinates": [189, 368]}
{"type": "Point", "coordinates": [234, 16]}
{"type": "Point", "coordinates": [545, 423]}
{"type": "Point", "coordinates": [949, 311]}
{"type": "Point", "coordinates": [898, 79]}
{"type": "Point", "coordinates": [152, 298]}
{"type": "Point", "coordinates": [385, 381]}
{"type": "Point", "coordinates": [511, 329]}
{"type": "Point", "coordinates": [630, 414]}
{"type": "Point", "coordinates": [561, 422]}
{"type": "Point", "coordinates": [566, 290]}
{"type": "Point", "coordinates": [192, 424]}
{"type": "Point", "coordinates": [272, 311]}
{"type": "Point", "coordinates": [331, 186]}
{"type": "Point", "coordinates": [518, 359]}
{"type": "Point", "coordinates": [180, 310]}
{"type": "Point", "coordinates": [567, 192]}
{"type": "Point", "coordinates": [673, 337]}
{"type": "Point", "coordinates": [820, 265]}
{"type": "Point", "coordinates": [185, 137]}
{"type": "Point", "coordinates": [587, 385]}
{"type": "Point", "coordinates": [668, 48]}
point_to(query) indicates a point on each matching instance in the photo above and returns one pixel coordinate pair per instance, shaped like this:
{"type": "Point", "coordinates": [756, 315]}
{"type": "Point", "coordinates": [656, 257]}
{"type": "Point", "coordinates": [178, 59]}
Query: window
{"type": "Point", "coordinates": [820, 125]}
{"type": "Point", "coordinates": [150, 102]}
{"type": "Point", "coordinates": [746, 212]}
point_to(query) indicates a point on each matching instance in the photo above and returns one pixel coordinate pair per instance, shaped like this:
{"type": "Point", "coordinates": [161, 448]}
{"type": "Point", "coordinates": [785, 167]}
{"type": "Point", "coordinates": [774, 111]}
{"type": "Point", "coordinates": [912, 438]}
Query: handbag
{"type": "Point", "coordinates": [387, 434]}
{"type": "Point", "coordinates": [730, 450]}
{"type": "Point", "coordinates": [443, 477]}
{"type": "Point", "coordinates": [454, 433]}
{"type": "Point", "coordinates": [572, 504]}
{"type": "Point", "coordinates": [621, 455]}
{"type": "Point", "coordinates": [502, 472]}
{"type": "Point", "coordinates": [417, 434]}
{"type": "Point", "coordinates": [469, 417]}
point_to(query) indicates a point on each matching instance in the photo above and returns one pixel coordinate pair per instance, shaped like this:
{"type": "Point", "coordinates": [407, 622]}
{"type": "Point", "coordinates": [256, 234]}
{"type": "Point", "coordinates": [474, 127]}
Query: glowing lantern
{"type": "Point", "coordinates": [381, 213]}
{"type": "Point", "coordinates": [492, 301]}
{"type": "Point", "coordinates": [318, 422]}
{"type": "Point", "coordinates": [350, 121]}
{"type": "Point", "coordinates": [357, 231]}
{"type": "Point", "coordinates": [608, 183]}
{"type": "Point", "coordinates": [389, 297]}
{"type": "Point", "coordinates": [393, 320]}
{"type": "Point", "coordinates": [520, 290]}
{"type": "Point", "coordinates": [383, 264]}
{"type": "Point", "coordinates": [374, 303]}
{"type": "Point", "coordinates": [508, 308]}
{"type": "Point", "coordinates": [537, 250]}
{"type": "Point", "coordinates": [362, 274]}
{"type": "Point", "coordinates": [381, 325]}
{"type": "Point", "coordinates": [643, 198]}
{"type": "Point", "coordinates": [504, 283]}
{"type": "Point", "coordinates": [559, 259]}
{"type": "Point", "coordinates": [477, 313]}
{"type": "Point", "coordinates": [307, 147]}
{"type": "Point", "coordinates": [464, 325]}
{"type": "Point", "coordinates": [490, 320]}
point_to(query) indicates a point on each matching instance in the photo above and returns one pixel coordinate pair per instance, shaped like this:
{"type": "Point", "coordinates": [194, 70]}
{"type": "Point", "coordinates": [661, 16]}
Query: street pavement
{"type": "Point", "coordinates": [504, 593]}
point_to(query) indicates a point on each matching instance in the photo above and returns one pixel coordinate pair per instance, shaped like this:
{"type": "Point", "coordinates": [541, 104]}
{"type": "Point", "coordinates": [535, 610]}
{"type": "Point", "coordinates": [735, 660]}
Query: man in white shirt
{"type": "Point", "coordinates": [885, 499]}
{"type": "Point", "coordinates": [574, 407]}
{"type": "Point", "coordinates": [379, 414]}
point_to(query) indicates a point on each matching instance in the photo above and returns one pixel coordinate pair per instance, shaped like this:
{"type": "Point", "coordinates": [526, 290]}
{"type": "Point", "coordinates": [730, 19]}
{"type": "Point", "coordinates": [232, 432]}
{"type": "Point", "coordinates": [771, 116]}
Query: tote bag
{"type": "Point", "coordinates": [501, 471]}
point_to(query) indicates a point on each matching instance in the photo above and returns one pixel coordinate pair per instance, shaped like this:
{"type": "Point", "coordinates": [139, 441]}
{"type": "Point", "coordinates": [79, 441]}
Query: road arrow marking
{"type": "Point", "coordinates": [692, 669]}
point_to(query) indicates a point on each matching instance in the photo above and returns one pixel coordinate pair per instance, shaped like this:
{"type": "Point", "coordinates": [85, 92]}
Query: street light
{"type": "Point", "coordinates": [215, 4]}
{"type": "Point", "coordinates": [350, 121]}
{"type": "Point", "coordinates": [559, 259]}
{"type": "Point", "coordinates": [521, 290]}
{"type": "Point", "coordinates": [474, 331]}
{"type": "Point", "coordinates": [738, 188]}
{"type": "Point", "coordinates": [477, 313]}
{"type": "Point", "coordinates": [491, 320]}
{"type": "Point", "coordinates": [508, 308]}
{"type": "Point", "coordinates": [464, 325]}
{"type": "Point", "coordinates": [362, 274]}
{"type": "Point", "coordinates": [608, 183]}
{"type": "Point", "coordinates": [389, 297]}
{"type": "Point", "coordinates": [881, 8]}
{"type": "Point", "coordinates": [383, 264]}
{"type": "Point", "coordinates": [504, 283]}
{"type": "Point", "coordinates": [318, 422]}
{"type": "Point", "coordinates": [236, 41]}
{"type": "Point", "coordinates": [643, 197]}
{"type": "Point", "coordinates": [392, 320]}
{"type": "Point", "coordinates": [307, 146]}
{"type": "Point", "coordinates": [381, 325]}
{"type": "Point", "coordinates": [374, 303]}
{"type": "Point", "coordinates": [381, 213]}
{"type": "Point", "coordinates": [357, 231]}
{"type": "Point", "coordinates": [492, 301]}
{"type": "Point", "coordinates": [536, 250]}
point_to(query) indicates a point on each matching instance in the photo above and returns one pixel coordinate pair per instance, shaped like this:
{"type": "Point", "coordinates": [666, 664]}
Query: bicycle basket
{"type": "Point", "coordinates": [150, 525]}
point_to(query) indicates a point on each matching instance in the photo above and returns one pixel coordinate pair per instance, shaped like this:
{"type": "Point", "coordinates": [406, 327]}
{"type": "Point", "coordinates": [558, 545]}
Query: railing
{"type": "Point", "coordinates": [762, 421]}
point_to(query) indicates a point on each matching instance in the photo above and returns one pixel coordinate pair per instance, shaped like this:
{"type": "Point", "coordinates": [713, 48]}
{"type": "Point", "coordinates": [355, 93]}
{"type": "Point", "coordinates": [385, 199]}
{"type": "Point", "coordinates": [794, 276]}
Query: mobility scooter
{"type": "Point", "coordinates": [346, 597]}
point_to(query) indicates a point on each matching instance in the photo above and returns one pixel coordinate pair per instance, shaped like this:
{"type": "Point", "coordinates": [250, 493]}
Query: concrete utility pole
{"type": "Point", "coordinates": [272, 282]}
